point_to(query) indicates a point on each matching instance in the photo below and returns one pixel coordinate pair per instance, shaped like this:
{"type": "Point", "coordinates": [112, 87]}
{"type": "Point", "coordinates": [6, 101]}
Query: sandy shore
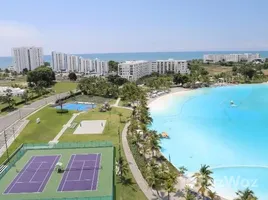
{"type": "Point", "coordinates": [160, 103]}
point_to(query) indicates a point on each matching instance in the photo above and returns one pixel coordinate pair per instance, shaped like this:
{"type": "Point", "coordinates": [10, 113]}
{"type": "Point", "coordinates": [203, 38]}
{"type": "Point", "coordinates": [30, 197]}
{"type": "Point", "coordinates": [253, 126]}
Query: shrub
{"type": "Point", "coordinates": [62, 111]}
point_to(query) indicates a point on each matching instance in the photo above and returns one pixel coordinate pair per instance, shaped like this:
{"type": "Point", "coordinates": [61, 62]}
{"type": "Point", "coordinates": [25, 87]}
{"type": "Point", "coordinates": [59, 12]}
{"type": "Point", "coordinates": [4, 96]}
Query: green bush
{"type": "Point", "coordinates": [62, 111]}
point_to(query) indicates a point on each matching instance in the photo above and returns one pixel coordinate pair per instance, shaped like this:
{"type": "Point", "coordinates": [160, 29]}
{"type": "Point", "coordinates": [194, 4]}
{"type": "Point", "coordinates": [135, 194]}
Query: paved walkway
{"type": "Point", "coordinates": [65, 126]}
{"type": "Point", "coordinates": [134, 168]}
{"type": "Point", "coordinates": [117, 101]}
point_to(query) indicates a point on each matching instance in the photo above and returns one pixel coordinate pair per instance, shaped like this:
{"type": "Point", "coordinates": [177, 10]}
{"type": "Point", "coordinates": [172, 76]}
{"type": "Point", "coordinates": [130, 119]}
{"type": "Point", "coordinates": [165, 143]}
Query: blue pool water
{"type": "Point", "coordinates": [77, 106]}
{"type": "Point", "coordinates": [205, 129]}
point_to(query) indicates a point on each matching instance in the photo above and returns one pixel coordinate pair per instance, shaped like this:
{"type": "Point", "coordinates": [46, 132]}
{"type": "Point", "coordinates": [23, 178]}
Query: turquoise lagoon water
{"type": "Point", "coordinates": [205, 129]}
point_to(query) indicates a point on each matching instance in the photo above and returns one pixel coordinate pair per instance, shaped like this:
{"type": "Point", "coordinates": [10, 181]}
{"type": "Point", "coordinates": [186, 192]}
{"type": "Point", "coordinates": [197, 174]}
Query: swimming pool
{"type": "Point", "coordinates": [77, 106]}
{"type": "Point", "coordinates": [205, 129]}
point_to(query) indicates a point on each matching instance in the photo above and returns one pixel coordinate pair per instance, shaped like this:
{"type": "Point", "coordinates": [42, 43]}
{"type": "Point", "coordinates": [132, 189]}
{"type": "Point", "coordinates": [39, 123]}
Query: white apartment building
{"type": "Point", "coordinates": [170, 65]}
{"type": "Point", "coordinates": [71, 63]}
{"type": "Point", "coordinates": [133, 70]}
{"type": "Point", "coordinates": [214, 58]}
{"type": "Point", "coordinates": [27, 57]}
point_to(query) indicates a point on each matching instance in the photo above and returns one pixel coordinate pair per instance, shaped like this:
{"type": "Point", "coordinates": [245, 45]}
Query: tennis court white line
{"type": "Point", "coordinates": [35, 172]}
{"type": "Point", "coordinates": [48, 172]}
{"type": "Point", "coordinates": [26, 166]}
{"type": "Point", "coordinates": [98, 172]}
{"type": "Point", "coordinates": [30, 182]}
{"type": "Point", "coordinates": [84, 160]}
{"type": "Point", "coordinates": [78, 180]}
{"type": "Point", "coordinates": [68, 172]}
{"type": "Point", "coordinates": [81, 171]}
{"type": "Point", "coordinates": [94, 173]}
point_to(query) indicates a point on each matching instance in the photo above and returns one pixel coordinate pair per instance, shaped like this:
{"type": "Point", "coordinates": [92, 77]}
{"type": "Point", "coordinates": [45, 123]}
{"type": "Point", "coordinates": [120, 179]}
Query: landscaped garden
{"type": "Point", "coordinates": [50, 124]}
{"type": "Point", "coordinates": [115, 122]}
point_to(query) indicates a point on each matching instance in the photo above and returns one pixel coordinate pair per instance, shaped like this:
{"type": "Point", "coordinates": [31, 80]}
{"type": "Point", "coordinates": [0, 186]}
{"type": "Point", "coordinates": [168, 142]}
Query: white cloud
{"type": "Point", "coordinates": [14, 34]}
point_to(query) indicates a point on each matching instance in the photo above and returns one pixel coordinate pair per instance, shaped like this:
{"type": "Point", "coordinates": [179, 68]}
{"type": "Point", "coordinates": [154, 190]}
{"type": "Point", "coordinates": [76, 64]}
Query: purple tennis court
{"type": "Point", "coordinates": [82, 173]}
{"type": "Point", "coordinates": [34, 176]}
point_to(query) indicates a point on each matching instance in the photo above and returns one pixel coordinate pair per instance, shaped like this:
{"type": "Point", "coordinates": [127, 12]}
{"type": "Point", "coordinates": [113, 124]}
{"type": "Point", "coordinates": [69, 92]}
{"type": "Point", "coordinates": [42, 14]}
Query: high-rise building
{"type": "Point", "coordinates": [58, 61]}
{"type": "Point", "coordinates": [71, 63]}
{"type": "Point", "coordinates": [27, 57]}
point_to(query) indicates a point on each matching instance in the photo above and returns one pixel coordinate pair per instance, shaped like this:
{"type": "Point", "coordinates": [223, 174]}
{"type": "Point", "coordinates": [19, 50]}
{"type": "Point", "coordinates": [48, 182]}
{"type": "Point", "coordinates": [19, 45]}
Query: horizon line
{"type": "Point", "coordinates": [188, 51]}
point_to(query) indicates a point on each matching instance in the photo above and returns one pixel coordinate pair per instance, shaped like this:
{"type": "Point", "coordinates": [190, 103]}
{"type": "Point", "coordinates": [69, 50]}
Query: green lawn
{"type": "Point", "coordinates": [128, 191]}
{"type": "Point", "coordinates": [51, 123]}
{"type": "Point", "coordinates": [61, 87]}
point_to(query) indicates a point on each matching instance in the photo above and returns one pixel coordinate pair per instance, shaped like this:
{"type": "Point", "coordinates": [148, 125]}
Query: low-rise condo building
{"type": "Point", "coordinates": [214, 58]}
{"type": "Point", "coordinates": [133, 70]}
{"type": "Point", "coordinates": [170, 65]}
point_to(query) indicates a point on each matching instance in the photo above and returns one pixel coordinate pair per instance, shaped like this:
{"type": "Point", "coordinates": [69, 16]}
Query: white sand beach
{"type": "Point", "coordinates": [161, 103]}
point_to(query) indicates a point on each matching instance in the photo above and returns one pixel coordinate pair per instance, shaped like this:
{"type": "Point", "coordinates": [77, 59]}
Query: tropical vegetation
{"type": "Point", "coordinates": [41, 77]}
{"type": "Point", "coordinates": [246, 194]}
{"type": "Point", "coordinates": [98, 86]}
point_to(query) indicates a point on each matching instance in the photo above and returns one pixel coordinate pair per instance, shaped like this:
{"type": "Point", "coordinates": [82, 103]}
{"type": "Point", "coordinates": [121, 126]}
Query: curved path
{"type": "Point", "coordinates": [134, 168]}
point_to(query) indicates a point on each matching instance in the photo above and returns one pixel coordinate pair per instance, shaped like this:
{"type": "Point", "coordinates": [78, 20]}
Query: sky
{"type": "Point", "coordinates": [110, 26]}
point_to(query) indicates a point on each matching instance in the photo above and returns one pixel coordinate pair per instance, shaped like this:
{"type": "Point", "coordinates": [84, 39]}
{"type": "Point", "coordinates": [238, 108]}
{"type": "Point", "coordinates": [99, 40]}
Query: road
{"type": "Point", "coordinates": [11, 118]}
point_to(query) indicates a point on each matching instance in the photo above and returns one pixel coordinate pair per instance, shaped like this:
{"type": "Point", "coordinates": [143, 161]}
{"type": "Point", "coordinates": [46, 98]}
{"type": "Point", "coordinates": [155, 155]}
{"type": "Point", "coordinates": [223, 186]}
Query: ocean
{"type": "Point", "coordinates": [7, 61]}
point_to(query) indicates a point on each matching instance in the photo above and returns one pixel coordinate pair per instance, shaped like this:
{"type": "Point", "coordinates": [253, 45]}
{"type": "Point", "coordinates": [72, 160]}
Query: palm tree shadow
{"type": "Point", "coordinates": [128, 183]}
{"type": "Point", "coordinates": [179, 193]}
{"type": "Point", "coordinates": [160, 195]}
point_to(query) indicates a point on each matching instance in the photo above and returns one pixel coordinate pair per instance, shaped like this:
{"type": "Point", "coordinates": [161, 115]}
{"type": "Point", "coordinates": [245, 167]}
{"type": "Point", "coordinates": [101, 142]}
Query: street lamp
{"type": "Point", "coordinates": [5, 137]}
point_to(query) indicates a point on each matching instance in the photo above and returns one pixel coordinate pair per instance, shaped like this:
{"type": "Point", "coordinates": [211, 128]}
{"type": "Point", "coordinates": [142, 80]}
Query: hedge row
{"type": "Point", "coordinates": [62, 111]}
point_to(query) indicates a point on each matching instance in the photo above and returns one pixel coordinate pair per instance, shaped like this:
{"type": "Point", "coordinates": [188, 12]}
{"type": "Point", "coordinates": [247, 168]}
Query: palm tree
{"type": "Point", "coordinates": [203, 179]}
{"type": "Point", "coordinates": [122, 168]}
{"type": "Point", "coordinates": [144, 149]}
{"type": "Point", "coordinates": [136, 139]}
{"type": "Point", "coordinates": [182, 170]}
{"type": "Point", "coordinates": [170, 186]}
{"type": "Point", "coordinates": [152, 176]}
{"type": "Point", "coordinates": [154, 142]}
{"type": "Point", "coordinates": [212, 195]}
{"type": "Point", "coordinates": [247, 194]}
{"type": "Point", "coordinates": [188, 194]}
{"type": "Point", "coordinates": [133, 126]}
{"type": "Point", "coordinates": [170, 180]}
